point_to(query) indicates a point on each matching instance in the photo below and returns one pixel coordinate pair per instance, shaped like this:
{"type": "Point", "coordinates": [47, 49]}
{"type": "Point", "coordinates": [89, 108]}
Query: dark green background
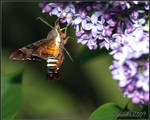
{"type": "Point", "coordinates": [85, 84]}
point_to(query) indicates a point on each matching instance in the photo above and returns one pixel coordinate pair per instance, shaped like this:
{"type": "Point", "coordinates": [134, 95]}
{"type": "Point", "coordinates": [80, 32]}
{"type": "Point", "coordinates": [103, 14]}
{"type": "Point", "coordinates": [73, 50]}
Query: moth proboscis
{"type": "Point", "coordinates": [50, 49]}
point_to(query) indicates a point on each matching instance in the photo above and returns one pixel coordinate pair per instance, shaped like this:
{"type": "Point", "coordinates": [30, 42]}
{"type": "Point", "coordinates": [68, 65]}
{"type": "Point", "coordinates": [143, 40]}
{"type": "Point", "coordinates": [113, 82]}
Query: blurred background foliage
{"type": "Point", "coordinates": [85, 83]}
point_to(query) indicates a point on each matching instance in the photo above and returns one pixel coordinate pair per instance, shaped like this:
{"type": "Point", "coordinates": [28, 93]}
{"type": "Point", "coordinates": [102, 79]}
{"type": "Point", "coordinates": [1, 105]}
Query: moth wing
{"type": "Point", "coordinates": [47, 50]}
{"type": "Point", "coordinates": [25, 53]}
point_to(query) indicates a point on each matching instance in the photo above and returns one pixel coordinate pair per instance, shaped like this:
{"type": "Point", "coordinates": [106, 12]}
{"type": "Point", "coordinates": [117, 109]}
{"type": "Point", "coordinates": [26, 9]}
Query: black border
{"type": "Point", "coordinates": [68, 0]}
{"type": "Point", "coordinates": [0, 56]}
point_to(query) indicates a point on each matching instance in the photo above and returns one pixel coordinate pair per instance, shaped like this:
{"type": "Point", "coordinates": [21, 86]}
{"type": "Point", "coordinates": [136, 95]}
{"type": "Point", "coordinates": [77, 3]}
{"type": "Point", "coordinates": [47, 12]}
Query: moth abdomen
{"type": "Point", "coordinates": [52, 69]}
{"type": "Point", "coordinates": [52, 63]}
{"type": "Point", "coordinates": [53, 76]}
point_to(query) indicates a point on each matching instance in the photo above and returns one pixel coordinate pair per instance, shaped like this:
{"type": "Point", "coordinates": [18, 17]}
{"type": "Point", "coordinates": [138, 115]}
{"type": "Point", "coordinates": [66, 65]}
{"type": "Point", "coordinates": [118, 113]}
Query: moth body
{"type": "Point", "coordinates": [50, 49]}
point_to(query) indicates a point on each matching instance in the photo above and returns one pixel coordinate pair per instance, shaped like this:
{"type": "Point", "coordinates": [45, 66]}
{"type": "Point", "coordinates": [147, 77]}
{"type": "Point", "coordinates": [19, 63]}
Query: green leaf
{"type": "Point", "coordinates": [106, 111]}
{"type": "Point", "coordinates": [11, 94]}
{"type": "Point", "coordinates": [87, 54]}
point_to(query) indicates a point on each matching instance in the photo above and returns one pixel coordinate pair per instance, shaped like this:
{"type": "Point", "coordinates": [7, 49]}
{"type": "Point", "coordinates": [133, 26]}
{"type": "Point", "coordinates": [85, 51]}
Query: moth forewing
{"type": "Point", "coordinates": [26, 53]}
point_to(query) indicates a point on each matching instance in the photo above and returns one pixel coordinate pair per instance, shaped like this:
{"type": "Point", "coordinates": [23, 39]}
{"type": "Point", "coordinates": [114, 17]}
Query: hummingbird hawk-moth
{"type": "Point", "coordinates": [50, 49]}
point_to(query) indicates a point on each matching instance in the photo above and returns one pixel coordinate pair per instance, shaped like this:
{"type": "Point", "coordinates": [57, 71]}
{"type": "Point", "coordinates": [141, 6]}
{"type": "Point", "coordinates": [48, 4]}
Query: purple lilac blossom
{"type": "Point", "coordinates": [101, 19]}
{"type": "Point", "coordinates": [116, 25]}
{"type": "Point", "coordinates": [131, 65]}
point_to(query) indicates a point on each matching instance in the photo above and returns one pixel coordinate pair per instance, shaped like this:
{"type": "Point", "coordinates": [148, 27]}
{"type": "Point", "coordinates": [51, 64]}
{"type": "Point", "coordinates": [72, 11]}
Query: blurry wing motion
{"type": "Point", "coordinates": [34, 51]}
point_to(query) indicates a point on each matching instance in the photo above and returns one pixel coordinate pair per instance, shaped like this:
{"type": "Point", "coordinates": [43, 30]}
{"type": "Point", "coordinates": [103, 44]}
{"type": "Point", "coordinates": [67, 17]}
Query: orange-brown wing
{"type": "Point", "coordinates": [26, 52]}
{"type": "Point", "coordinates": [47, 50]}
{"type": "Point", "coordinates": [42, 49]}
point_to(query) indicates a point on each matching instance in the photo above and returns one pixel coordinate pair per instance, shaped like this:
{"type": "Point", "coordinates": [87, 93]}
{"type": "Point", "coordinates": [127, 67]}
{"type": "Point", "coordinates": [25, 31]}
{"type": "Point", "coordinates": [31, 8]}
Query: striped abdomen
{"type": "Point", "coordinates": [52, 69]}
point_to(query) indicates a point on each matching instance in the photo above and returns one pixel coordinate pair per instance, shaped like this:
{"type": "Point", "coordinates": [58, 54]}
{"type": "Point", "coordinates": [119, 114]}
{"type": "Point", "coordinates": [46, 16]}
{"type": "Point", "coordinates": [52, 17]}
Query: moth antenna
{"type": "Point", "coordinates": [68, 54]}
{"type": "Point", "coordinates": [45, 22]}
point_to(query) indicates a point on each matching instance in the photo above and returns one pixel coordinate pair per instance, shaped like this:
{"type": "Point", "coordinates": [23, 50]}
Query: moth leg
{"type": "Point", "coordinates": [64, 27]}
{"type": "Point", "coordinates": [66, 39]}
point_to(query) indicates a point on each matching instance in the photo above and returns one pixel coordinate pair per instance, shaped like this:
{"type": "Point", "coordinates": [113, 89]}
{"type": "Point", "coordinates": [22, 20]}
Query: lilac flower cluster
{"type": "Point", "coordinates": [131, 65]}
{"type": "Point", "coordinates": [116, 25]}
{"type": "Point", "coordinates": [96, 22]}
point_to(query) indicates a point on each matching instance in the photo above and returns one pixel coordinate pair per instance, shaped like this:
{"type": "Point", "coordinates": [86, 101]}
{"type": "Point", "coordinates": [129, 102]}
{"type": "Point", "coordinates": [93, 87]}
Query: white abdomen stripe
{"type": "Point", "coordinates": [52, 60]}
{"type": "Point", "coordinates": [51, 65]}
